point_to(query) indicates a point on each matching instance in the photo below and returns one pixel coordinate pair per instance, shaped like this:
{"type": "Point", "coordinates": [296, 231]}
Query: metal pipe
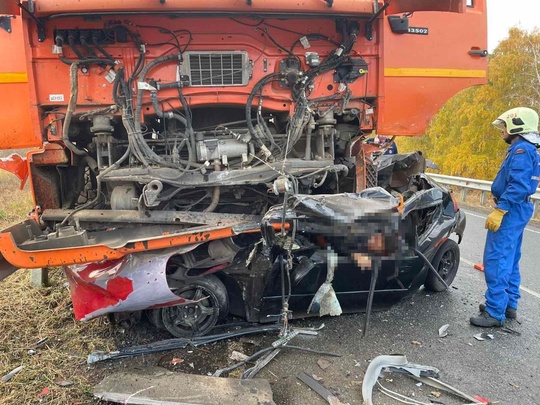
{"type": "Point", "coordinates": [217, 191]}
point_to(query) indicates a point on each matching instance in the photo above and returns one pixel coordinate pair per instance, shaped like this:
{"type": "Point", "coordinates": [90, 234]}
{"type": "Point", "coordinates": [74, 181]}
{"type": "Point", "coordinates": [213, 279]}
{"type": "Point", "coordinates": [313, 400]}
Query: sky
{"type": "Point", "coordinates": [504, 14]}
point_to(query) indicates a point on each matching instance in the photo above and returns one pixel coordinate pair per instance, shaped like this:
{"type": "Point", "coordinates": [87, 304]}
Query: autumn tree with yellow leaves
{"type": "Point", "coordinates": [461, 139]}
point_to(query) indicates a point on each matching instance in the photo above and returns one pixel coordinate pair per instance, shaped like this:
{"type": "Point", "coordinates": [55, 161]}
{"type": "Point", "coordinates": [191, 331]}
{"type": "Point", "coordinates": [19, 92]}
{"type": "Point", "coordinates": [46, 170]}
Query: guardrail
{"type": "Point", "coordinates": [482, 185]}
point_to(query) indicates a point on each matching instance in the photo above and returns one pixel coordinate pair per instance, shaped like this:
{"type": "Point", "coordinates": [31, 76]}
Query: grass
{"type": "Point", "coordinates": [28, 314]}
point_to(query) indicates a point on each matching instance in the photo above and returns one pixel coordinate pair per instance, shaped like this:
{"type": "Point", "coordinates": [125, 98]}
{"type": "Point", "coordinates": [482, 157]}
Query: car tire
{"type": "Point", "coordinates": [446, 262]}
{"type": "Point", "coordinates": [186, 321]}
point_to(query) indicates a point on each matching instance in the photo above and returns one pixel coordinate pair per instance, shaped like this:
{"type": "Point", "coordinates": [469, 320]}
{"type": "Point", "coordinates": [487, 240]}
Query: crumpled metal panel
{"type": "Point", "coordinates": [16, 165]}
{"type": "Point", "coordinates": [132, 283]}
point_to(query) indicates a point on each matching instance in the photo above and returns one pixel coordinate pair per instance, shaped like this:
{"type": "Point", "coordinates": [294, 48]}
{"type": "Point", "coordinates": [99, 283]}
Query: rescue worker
{"type": "Point", "coordinates": [515, 182]}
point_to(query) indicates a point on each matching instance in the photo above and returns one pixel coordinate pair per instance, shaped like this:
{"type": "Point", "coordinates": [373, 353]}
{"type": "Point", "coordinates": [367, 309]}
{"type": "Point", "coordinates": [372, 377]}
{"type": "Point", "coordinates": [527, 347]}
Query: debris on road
{"type": "Point", "coordinates": [484, 336]}
{"type": "Point", "coordinates": [510, 331]}
{"type": "Point", "coordinates": [443, 330]}
{"type": "Point", "coordinates": [319, 389]}
{"type": "Point", "coordinates": [481, 400]}
{"type": "Point", "coordinates": [323, 363]}
{"type": "Point", "coordinates": [398, 363]}
{"type": "Point", "coordinates": [176, 361]}
{"type": "Point", "coordinates": [12, 374]}
{"type": "Point", "coordinates": [156, 385]}
{"type": "Point", "coordinates": [416, 342]}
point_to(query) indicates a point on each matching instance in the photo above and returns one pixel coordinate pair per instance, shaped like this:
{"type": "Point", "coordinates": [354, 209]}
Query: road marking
{"type": "Point", "coordinates": [527, 290]}
{"type": "Point", "coordinates": [483, 217]}
{"type": "Point", "coordinates": [467, 262]}
{"type": "Point", "coordinates": [530, 291]}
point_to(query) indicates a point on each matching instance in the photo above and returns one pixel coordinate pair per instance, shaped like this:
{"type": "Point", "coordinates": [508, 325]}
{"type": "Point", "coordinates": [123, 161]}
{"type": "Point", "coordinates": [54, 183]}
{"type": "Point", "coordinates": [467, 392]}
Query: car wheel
{"type": "Point", "coordinates": [199, 318]}
{"type": "Point", "coordinates": [446, 262]}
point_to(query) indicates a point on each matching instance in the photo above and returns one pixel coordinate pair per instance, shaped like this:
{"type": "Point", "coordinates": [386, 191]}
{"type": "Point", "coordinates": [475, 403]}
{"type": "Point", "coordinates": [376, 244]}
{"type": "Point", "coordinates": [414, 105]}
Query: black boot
{"type": "Point", "coordinates": [511, 313]}
{"type": "Point", "coordinates": [485, 320]}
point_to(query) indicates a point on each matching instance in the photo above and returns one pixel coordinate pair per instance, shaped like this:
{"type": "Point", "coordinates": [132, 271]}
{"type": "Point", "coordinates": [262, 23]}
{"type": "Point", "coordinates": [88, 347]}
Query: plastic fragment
{"type": "Point", "coordinates": [443, 330]}
{"type": "Point", "coordinates": [12, 374]}
{"type": "Point", "coordinates": [484, 336]}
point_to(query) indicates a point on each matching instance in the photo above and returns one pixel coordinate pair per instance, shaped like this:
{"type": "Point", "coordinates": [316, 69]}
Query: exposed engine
{"type": "Point", "coordinates": [166, 145]}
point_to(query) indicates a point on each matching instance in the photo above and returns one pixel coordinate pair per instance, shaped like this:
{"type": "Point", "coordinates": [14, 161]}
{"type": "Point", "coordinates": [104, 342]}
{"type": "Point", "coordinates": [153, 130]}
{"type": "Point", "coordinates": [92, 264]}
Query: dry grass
{"type": "Point", "coordinates": [28, 314]}
{"type": "Point", "coordinates": [14, 203]}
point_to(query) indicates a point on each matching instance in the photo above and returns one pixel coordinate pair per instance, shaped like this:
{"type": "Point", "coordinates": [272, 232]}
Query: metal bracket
{"type": "Point", "coordinates": [5, 23]}
{"type": "Point", "coordinates": [41, 31]}
{"type": "Point", "coordinates": [369, 23]}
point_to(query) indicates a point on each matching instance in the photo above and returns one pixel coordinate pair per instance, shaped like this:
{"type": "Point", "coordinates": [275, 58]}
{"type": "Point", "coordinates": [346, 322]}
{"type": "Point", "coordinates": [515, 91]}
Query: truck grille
{"type": "Point", "coordinates": [217, 68]}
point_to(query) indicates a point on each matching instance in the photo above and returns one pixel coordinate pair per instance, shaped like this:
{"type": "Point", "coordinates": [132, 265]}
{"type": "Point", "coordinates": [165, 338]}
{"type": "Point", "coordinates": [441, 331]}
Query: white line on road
{"type": "Point", "coordinates": [484, 217]}
{"type": "Point", "coordinates": [527, 290]}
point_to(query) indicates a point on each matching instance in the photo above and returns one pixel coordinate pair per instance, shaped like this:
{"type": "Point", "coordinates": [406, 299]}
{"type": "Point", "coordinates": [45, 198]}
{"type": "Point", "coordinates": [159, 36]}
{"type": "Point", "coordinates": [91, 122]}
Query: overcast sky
{"type": "Point", "coordinates": [504, 14]}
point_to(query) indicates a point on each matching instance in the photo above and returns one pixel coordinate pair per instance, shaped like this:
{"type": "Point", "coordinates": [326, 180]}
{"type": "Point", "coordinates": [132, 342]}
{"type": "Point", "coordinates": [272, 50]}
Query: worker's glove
{"type": "Point", "coordinates": [494, 220]}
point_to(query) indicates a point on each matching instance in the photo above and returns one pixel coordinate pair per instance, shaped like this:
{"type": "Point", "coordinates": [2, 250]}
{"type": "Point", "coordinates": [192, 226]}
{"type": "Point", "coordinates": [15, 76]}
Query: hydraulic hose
{"type": "Point", "coordinates": [431, 268]}
{"type": "Point", "coordinates": [217, 191]}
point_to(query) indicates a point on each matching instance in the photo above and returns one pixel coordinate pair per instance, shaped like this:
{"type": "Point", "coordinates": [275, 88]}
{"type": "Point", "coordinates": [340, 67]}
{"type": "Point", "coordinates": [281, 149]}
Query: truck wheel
{"type": "Point", "coordinates": [199, 318]}
{"type": "Point", "coordinates": [446, 262]}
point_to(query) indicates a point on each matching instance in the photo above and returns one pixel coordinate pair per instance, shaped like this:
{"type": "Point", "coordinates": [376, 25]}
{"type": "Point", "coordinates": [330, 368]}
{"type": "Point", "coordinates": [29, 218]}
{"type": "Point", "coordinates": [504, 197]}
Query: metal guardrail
{"type": "Point", "coordinates": [483, 185]}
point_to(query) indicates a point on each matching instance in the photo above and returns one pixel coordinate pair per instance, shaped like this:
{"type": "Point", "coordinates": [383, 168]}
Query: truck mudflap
{"type": "Point", "coordinates": [132, 283]}
{"type": "Point", "coordinates": [25, 245]}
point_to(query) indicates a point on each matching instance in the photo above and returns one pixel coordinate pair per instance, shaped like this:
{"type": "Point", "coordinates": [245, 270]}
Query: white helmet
{"type": "Point", "coordinates": [520, 121]}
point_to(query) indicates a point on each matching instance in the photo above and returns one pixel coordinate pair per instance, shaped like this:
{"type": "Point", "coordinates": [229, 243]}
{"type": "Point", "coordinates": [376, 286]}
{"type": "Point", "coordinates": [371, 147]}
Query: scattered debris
{"type": "Point", "coordinates": [323, 363]}
{"type": "Point", "coordinates": [373, 371]}
{"type": "Point", "coordinates": [155, 385]}
{"type": "Point", "coordinates": [438, 384]}
{"type": "Point", "coordinates": [40, 343]}
{"type": "Point", "coordinates": [176, 343]}
{"type": "Point", "coordinates": [12, 374]}
{"type": "Point", "coordinates": [176, 361]}
{"type": "Point", "coordinates": [481, 399]}
{"type": "Point", "coordinates": [319, 389]}
{"type": "Point", "coordinates": [325, 301]}
{"type": "Point", "coordinates": [514, 385]}
{"type": "Point", "coordinates": [479, 266]}
{"type": "Point", "coordinates": [45, 391]}
{"type": "Point", "coordinates": [416, 342]}
{"type": "Point", "coordinates": [399, 363]}
{"type": "Point", "coordinates": [272, 349]}
{"type": "Point", "coordinates": [511, 331]}
{"type": "Point", "coordinates": [484, 336]}
{"type": "Point", "coordinates": [31, 352]}
{"type": "Point", "coordinates": [419, 384]}
{"type": "Point", "coordinates": [316, 377]}
{"type": "Point", "coordinates": [238, 356]}
{"type": "Point", "coordinates": [63, 383]}
{"type": "Point", "coordinates": [443, 330]}
{"type": "Point", "coordinates": [436, 394]}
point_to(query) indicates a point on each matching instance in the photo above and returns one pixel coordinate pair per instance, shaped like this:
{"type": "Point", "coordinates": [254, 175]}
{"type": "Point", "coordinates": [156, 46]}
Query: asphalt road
{"type": "Point", "coordinates": [505, 370]}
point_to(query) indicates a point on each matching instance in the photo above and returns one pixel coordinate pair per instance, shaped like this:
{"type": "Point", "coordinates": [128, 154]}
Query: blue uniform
{"type": "Point", "coordinates": [515, 182]}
